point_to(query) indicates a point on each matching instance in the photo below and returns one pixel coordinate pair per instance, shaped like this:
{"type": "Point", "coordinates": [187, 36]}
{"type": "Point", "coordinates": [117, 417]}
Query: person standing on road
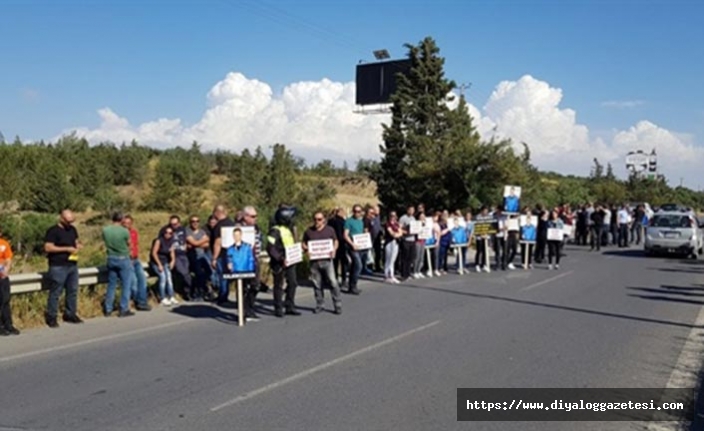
{"type": "Point", "coordinates": [281, 236]}
{"type": "Point", "coordinates": [139, 280]}
{"type": "Point", "coordinates": [554, 222]}
{"type": "Point", "coordinates": [197, 241]}
{"type": "Point", "coordinates": [162, 261]}
{"type": "Point", "coordinates": [597, 219]}
{"type": "Point", "coordinates": [252, 286]}
{"type": "Point", "coordinates": [480, 257]}
{"type": "Point", "coordinates": [392, 235]}
{"type": "Point", "coordinates": [542, 236]}
{"type": "Point", "coordinates": [117, 244]}
{"type": "Point", "coordinates": [6, 326]}
{"type": "Point", "coordinates": [500, 239]}
{"type": "Point", "coordinates": [637, 226]}
{"type": "Point", "coordinates": [218, 262]}
{"type": "Point", "coordinates": [341, 264]}
{"type": "Point", "coordinates": [321, 270]}
{"type": "Point", "coordinates": [182, 267]}
{"type": "Point", "coordinates": [377, 231]}
{"type": "Point", "coordinates": [623, 217]}
{"type": "Point", "coordinates": [408, 244]}
{"type": "Point", "coordinates": [61, 245]}
{"type": "Point", "coordinates": [512, 245]}
{"type": "Point", "coordinates": [354, 226]}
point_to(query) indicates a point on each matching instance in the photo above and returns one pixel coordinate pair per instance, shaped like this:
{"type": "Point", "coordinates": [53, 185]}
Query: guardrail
{"type": "Point", "coordinates": [38, 281]}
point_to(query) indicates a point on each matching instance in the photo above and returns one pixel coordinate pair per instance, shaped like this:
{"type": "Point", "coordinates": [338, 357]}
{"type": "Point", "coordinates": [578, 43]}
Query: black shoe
{"type": "Point", "coordinates": [12, 331]}
{"type": "Point", "coordinates": [52, 322]}
{"type": "Point", "coordinates": [250, 314]}
{"type": "Point", "coordinates": [338, 310]}
{"type": "Point", "coordinates": [279, 312]}
{"type": "Point", "coordinates": [127, 313]}
{"type": "Point", "coordinates": [293, 312]}
{"type": "Point", "coordinates": [72, 319]}
{"type": "Point", "coordinates": [355, 291]}
{"type": "Point", "coordinates": [4, 332]}
{"type": "Point", "coordinates": [318, 309]}
{"type": "Point", "coordinates": [145, 307]}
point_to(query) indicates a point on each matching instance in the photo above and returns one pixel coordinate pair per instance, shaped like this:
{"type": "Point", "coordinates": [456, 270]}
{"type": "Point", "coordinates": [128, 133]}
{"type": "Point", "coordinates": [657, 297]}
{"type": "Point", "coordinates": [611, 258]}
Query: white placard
{"type": "Point", "coordinates": [512, 224]}
{"type": "Point", "coordinates": [568, 231]}
{"type": "Point", "coordinates": [321, 249]}
{"type": "Point", "coordinates": [294, 254]}
{"type": "Point", "coordinates": [426, 232]}
{"type": "Point", "coordinates": [249, 236]}
{"type": "Point", "coordinates": [362, 241]}
{"type": "Point", "coordinates": [415, 227]}
{"type": "Point", "coordinates": [554, 234]}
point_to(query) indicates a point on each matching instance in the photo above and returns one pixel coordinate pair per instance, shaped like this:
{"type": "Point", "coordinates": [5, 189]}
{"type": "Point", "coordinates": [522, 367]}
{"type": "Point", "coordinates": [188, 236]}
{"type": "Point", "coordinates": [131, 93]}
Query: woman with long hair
{"type": "Point", "coordinates": [554, 245]}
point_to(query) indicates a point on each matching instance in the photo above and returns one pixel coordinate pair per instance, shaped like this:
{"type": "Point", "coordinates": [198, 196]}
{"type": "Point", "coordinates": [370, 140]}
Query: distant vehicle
{"type": "Point", "coordinates": [674, 232]}
{"type": "Point", "coordinates": [673, 207]}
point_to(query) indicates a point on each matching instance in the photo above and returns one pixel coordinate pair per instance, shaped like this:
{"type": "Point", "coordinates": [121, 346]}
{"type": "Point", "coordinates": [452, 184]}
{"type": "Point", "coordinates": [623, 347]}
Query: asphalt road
{"type": "Point", "coordinates": [392, 361]}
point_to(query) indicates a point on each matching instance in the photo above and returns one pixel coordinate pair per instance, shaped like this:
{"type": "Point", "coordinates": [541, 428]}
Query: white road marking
{"type": "Point", "coordinates": [685, 372]}
{"type": "Point", "coordinates": [320, 367]}
{"type": "Point", "coordinates": [94, 340]}
{"type": "Point", "coordinates": [549, 280]}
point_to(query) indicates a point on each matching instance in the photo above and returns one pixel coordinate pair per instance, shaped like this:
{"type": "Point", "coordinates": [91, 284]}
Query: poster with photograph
{"type": "Point", "coordinates": [249, 235]}
{"type": "Point", "coordinates": [512, 199]}
{"type": "Point", "coordinates": [529, 228]}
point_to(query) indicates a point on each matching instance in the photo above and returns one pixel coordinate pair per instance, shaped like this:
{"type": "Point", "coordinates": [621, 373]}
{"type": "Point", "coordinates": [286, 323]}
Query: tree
{"type": "Point", "coordinates": [280, 180]}
{"type": "Point", "coordinates": [610, 173]}
{"type": "Point", "coordinates": [597, 171]}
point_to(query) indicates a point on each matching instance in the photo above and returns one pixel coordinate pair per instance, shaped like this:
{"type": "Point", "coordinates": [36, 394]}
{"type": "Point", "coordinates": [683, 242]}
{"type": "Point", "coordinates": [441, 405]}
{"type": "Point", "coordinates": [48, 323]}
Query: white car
{"type": "Point", "coordinates": [674, 232]}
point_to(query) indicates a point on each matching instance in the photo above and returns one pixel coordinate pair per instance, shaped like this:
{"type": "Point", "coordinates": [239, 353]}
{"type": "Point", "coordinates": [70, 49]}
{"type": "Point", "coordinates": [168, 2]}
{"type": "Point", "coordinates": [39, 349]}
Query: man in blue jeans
{"type": "Point", "coordinates": [117, 245]}
{"type": "Point", "coordinates": [61, 246]}
{"type": "Point", "coordinates": [354, 226]}
{"type": "Point", "coordinates": [139, 280]}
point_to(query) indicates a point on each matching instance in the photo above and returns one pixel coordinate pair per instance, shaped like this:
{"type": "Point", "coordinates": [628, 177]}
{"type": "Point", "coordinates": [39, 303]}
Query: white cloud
{"type": "Point", "coordinates": [316, 120]}
{"type": "Point", "coordinates": [622, 104]}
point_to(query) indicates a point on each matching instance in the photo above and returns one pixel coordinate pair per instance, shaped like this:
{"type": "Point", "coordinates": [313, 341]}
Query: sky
{"type": "Point", "coordinates": [574, 79]}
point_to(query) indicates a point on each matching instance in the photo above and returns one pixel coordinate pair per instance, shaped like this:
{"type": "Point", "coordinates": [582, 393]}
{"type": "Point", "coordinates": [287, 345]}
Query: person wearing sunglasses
{"type": "Point", "coordinates": [253, 285]}
{"type": "Point", "coordinates": [354, 226]}
{"type": "Point", "coordinates": [321, 265]}
{"type": "Point", "coordinates": [162, 261]}
{"type": "Point", "coordinates": [61, 246]}
{"type": "Point", "coordinates": [198, 243]}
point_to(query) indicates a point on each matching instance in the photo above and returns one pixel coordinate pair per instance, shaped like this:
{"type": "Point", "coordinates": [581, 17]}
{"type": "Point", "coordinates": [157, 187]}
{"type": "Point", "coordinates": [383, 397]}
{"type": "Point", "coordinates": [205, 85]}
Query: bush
{"type": "Point", "coordinates": [26, 231]}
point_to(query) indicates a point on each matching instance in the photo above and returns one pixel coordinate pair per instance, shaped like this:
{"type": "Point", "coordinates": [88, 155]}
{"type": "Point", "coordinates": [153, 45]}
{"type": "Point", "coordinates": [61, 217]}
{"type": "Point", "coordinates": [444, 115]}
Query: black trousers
{"type": "Point", "coordinates": [379, 253]}
{"type": "Point", "coordinates": [5, 309]}
{"type": "Point", "coordinates": [623, 235]}
{"type": "Point", "coordinates": [182, 268]}
{"type": "Point", "coordinates": [408, 257]}
{"type": "Point", "coordinates": [554, 251]}
{"type": "Point", "coordinates": [581, 235]}
{"type": "Point", "coordinates": [289, 275]}
{"type": "Point", "coordinates": [480, 256]}
{"type": "Point", "coordinates": [341, 264]}
{"type": "Point", "coordinates": [500, 252]}
{"type": "Point", "coordinates": [596, 237]}
{"type": "Point", "coordinates": [540, 245]}
{"type": "Point", "coordinates": [512, 245]}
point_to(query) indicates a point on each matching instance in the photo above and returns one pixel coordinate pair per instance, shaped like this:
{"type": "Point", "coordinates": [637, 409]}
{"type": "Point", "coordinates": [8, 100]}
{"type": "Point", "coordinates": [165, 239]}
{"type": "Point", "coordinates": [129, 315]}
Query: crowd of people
{"type": "Point", "coordinates": [416, 245]}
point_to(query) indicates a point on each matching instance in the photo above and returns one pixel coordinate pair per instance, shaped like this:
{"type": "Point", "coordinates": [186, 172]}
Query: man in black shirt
{"type": "Point", "coordinates": [218, 262]}
{"type": "Point", "coordinates": [321, 267]}
{"type": "Point", "coordinates": [597, 225]}
{"type": "Point", "coordinates": [61, 246]}
{"type": "Point", "coordinates": [340, 263]}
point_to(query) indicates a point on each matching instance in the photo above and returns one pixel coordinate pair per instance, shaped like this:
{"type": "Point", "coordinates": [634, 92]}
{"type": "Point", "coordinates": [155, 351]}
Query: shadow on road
{"type": "Point", "coordinates": [625, 253]}
{"type": "Point", "coordinates": [551, 306]}
{"type": "Point", "coordinates": [201, 311]}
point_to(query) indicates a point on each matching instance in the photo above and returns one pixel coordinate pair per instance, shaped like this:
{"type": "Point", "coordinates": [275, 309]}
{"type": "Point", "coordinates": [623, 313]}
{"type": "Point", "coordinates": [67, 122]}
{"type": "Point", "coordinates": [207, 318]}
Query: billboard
{"type": "Point", "coordinates": [376, 82]}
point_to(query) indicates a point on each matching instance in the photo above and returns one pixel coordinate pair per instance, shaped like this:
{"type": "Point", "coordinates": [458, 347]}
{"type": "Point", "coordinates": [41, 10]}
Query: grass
{"type": "Point", "coordinates": [28, 309]}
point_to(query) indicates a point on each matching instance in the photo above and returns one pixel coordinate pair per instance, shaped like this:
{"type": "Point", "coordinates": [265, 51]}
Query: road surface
{"type": "Point", "coordinates": [392, 361]}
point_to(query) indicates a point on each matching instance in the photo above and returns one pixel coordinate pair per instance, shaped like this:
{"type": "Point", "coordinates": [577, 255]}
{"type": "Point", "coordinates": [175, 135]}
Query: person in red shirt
{"type": "Point", "coordinates": [6, 327]}
{"type": "Point", "coordinates": [139, 281]}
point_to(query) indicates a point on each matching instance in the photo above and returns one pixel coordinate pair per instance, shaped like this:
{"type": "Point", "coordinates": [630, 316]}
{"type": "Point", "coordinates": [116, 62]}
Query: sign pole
{"type": "Point", "coordinates": [486, 254]}
{"type": "Point", "coordinates": [240, 303]}
{"type": "Point", "coordinates": [460, 263]}
{"type": "Point", "coordinates": [526, 250]}
{"type": "Point", "coordinates": [430, 263]}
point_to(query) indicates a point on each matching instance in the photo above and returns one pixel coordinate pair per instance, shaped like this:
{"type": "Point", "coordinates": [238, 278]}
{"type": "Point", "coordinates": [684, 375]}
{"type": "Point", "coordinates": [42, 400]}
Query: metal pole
{"type": "Point", "coordinates": [459, 261]}
{"type": "Point", "coordinates": [430, 263]}
{"type": "Point", "coordinates": [240, 303]}
{"type": "Point", "coordinates": [486, 255]}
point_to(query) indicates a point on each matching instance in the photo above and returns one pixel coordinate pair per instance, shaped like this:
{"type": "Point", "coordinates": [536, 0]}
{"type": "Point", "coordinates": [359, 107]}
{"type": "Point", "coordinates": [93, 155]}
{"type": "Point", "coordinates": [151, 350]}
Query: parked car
{"type": "Point", "coordinates": [673, 207]}
{"type": "Point", "coordinates": [671, 232]}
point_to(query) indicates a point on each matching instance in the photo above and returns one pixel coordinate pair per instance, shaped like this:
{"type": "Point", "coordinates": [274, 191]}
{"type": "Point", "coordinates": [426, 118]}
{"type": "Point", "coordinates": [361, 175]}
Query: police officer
{"type": "Point", "coordinates": [281, 236]}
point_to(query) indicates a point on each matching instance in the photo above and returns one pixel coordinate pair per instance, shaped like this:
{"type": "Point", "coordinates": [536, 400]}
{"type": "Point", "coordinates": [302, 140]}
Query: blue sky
{"type": "Point", "coordinates": [62, 60]}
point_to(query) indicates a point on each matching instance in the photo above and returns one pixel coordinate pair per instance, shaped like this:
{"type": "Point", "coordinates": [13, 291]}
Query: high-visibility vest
{"type": "Point", "coordinates": [286, 235]}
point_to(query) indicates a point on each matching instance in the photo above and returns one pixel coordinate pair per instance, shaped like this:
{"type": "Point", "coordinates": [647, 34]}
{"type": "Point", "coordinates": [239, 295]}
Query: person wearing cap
{"type": "Point", "coordinates": [6, 326]}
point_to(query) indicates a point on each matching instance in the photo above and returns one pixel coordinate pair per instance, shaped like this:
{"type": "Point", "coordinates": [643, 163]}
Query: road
{"type": "Point", "coordinates": [393, 360]}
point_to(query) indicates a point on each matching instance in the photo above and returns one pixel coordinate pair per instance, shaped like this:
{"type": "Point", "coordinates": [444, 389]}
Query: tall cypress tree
{"type": "Point", "coordinates": [419, 121]}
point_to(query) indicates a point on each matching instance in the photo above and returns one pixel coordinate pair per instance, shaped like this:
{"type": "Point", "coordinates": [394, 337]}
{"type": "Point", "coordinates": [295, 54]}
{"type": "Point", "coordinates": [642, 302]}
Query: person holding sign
{"type": "Point", "coordinates": [392, 234]}
{"type": "Point", "coordinates": [529, 230]}
{"type": "Point", "coordinates": [500, 239]}
{"type": "Point", "coordinates": [320, 242]}
{"type": "Point", "coordinates": [354, 226]}
{"type": "Point", "coordinates": [512, 195]}
{"type": "Point", "coordinates": [554, 235]}
{"type": "Point", "coordinates": [281, 236]}
{"type": "Point", "coordinates": [408, 244]}
{"type": "Point", "coordinates": [512, 227]}
{"type": "Point", "coordinates": [480, 257]}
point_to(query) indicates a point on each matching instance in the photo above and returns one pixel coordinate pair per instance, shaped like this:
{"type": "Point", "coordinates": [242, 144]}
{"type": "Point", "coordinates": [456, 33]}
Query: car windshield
{"type": "Point", "coordinates": [671, 220]}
